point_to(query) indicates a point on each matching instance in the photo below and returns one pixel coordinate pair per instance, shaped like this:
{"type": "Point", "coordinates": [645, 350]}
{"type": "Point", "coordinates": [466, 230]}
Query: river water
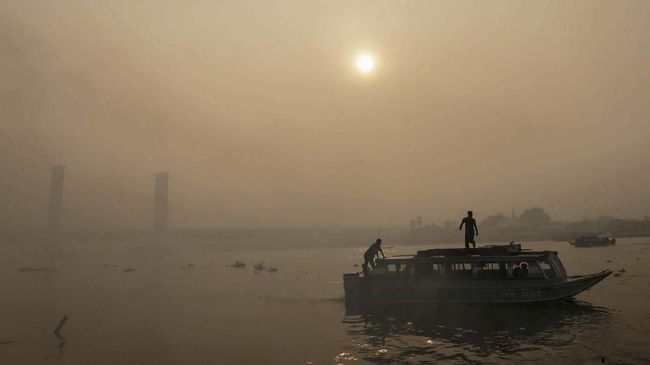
{"type": "Point", "coordinates": [136, 303]}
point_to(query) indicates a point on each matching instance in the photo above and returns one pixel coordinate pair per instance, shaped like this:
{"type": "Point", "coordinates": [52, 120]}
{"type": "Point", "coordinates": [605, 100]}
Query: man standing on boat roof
{"type": "Point", "coordinates": [470, 228]}
{"type": "Point", "coordinates": [370, 254]}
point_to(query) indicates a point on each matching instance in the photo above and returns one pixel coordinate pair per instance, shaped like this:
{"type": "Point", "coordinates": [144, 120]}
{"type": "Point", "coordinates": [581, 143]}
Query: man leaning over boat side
{"type": "Point", "coordinates": [371, 253]}
{"type": "Point", "coordinates": [470, 228]}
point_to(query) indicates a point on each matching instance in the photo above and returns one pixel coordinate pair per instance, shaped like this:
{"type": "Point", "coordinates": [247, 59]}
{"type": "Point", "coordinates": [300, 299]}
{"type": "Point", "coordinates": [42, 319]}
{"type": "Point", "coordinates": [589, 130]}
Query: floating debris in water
{"type": "Point", "coordinates": [238, 265]}
{"type": "Point", "coordinates": [273, 269]}
{"type": "Point", "coordinates": [59, 327]}
{"type": "Point", "coordinates": [344, 356]}
{"type": "Point", "coordinates": [259, 266]}
{"type": "Point", "coordinates": [129, 269]}
{"type": "Point", "coordinates": [187, 267]}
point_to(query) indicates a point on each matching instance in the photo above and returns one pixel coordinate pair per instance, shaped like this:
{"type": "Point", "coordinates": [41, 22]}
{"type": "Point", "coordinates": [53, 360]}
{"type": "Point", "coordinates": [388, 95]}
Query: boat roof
{"type": "Point", "coordinates": [494, 253]}
{"type": "Point", "coordinates": [489, 250]}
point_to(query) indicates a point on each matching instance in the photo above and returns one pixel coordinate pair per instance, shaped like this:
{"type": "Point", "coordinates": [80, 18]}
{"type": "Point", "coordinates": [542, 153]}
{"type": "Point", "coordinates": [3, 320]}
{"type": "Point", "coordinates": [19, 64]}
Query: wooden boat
{"type": "Point", "coordinates": [593, 241]}
{"type": "Point", "coordinates": [492, 274]}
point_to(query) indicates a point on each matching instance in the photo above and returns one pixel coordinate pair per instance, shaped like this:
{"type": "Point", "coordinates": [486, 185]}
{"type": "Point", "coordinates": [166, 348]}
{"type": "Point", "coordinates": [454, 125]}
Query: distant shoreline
{"type": "Point", "coordinates": [276, 238]}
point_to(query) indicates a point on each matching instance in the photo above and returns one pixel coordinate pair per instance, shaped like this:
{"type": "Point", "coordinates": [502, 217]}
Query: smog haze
{"type": "Point", "coordinates": [259, 114]}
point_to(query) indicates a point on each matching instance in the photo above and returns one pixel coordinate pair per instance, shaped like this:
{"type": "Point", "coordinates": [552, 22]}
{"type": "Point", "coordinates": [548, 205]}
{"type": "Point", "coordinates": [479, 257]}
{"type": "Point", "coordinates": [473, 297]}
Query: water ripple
{"type": "Point", "coordinates": [467, 334]}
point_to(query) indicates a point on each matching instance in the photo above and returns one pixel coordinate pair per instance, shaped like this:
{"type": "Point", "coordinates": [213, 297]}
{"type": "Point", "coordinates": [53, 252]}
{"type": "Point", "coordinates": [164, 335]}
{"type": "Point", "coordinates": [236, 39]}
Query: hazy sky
{"type": "Point", "coordinates": [256, 109]}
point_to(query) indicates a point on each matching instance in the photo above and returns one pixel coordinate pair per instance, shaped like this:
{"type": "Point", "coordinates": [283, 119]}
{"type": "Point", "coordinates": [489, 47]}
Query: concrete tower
{"type": "Point", "coordinates": [56, 198]}
{"type": "Point", "coordinates": [160, 202]}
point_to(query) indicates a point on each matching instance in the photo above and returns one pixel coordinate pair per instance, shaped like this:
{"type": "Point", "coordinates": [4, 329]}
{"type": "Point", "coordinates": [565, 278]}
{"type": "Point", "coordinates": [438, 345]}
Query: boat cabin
{"type": "Point", "coordinates": [478, 264]}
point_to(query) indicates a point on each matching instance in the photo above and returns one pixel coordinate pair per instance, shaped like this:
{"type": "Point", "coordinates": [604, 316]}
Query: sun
{"type": "Point", "coordinates": [365, 63]}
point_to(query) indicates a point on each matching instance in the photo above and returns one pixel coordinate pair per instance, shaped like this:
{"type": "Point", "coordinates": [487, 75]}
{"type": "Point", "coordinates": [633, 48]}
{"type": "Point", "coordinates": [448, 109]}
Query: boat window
{"type": "Point", "coordinates": [459, 268]}
{"type": "Point", "coordinates": [427, 268]}
{"type": "Point", "coordinates": [534, 270]}
{"type": "Point", "coordinates": [558, 265]}
{"type": "Point", "coordinates": [395, 268]}
{"type": "Point", "coordinates": [493, 266]}
{"type": "Point", "coordinates": [546, 267]}
{"type": "Point", "coordinates": [521, 270]}
{"type": "Point", "coordinates": [492, 269]}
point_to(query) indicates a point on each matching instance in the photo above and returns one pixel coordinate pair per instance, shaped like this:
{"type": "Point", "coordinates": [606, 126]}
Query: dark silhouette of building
{"type": "Point", "coordinates": [160, 202]}
{"type": "Point", "coordinates": [56, 198]}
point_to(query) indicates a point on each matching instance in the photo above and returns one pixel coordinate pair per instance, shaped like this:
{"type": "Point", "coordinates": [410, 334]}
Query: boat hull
{"type": "Point", "coordinates": [444, 290]}
{"type": "Point", "coordinates": [598, 243]}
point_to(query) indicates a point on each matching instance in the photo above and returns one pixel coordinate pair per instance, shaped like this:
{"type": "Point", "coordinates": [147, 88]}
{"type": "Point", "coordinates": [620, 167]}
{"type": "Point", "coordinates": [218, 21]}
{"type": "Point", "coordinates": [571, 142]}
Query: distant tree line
{"type": "Point", "coordinates": [532, 224]}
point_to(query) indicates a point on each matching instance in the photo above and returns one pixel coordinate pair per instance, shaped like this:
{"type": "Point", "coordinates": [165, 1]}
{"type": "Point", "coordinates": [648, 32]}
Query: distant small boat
{"type": "Point", "coordinates": [489, 274]}
{"type": "Point", "coordinates": [593, 241]}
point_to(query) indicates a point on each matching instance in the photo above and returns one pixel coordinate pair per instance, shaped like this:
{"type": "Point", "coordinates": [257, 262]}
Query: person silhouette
{"type": "Point", "coordinates": [371, 253]}
{"type": "Point", "coordinates": [470, 229]}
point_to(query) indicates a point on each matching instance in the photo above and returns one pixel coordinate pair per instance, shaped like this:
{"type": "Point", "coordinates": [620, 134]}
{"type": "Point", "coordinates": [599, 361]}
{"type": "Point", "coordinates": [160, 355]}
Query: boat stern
{"type": "Point", "coordinates": [355, 289]}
